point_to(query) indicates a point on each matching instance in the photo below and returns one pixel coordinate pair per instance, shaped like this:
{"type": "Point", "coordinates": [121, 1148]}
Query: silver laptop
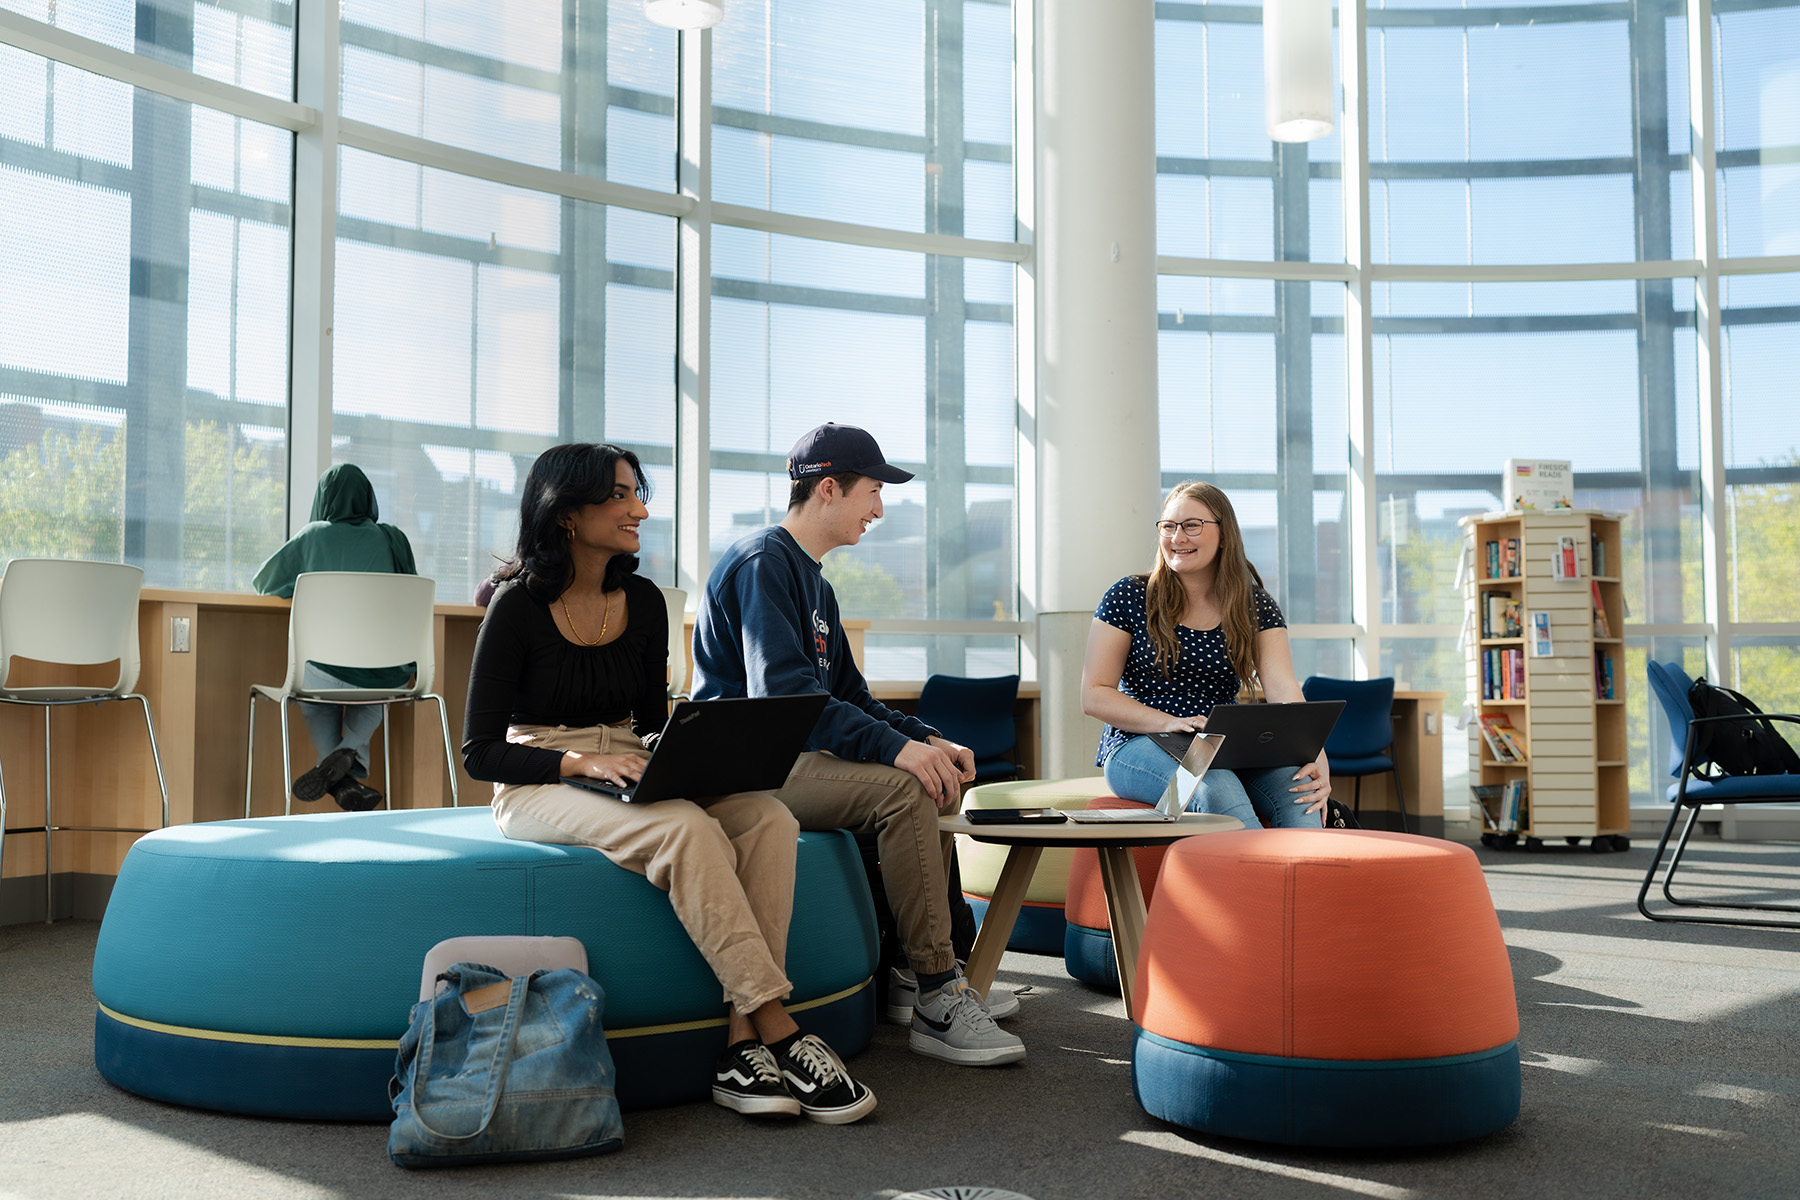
{"type": "Point", "coordinates": [1195, 758]}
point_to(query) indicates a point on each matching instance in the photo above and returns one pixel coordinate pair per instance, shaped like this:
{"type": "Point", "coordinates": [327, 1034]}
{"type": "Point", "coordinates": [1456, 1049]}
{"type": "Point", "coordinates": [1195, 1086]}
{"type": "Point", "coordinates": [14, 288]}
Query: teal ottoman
{"type": "Point", "coordinates": [268, 966]}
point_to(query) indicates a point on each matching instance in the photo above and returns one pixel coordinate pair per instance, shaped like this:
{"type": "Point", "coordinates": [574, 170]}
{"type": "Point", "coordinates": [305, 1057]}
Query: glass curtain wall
{"type": "Point", "coordinates": [1251, 388]}
{"type": "Point", "coordinates": [144, 278]}
{"type": "Point", "coordinates": [504, 273]}
{"type": "Point", "coordinates": [897, 116]}
{"type": "Point", "coordinates": [1509, 151]}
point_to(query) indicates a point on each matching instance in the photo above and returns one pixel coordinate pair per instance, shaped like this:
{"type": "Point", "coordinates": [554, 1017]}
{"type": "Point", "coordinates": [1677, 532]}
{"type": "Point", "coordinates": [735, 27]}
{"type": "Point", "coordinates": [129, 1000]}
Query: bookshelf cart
{"type": "Point", "coordinates": [1568, 707]}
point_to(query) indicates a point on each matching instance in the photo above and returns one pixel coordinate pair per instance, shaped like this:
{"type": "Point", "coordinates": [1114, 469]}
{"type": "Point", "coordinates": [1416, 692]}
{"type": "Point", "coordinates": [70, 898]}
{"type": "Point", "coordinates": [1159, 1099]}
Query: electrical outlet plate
{"type": "Point", "coordinates": [180, 635]}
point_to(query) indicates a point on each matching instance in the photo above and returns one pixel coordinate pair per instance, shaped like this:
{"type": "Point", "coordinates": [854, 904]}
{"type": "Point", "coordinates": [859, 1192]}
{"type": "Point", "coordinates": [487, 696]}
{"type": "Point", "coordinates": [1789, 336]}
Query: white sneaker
{"type": "Point", "coordinates": [950, 1024]}
{"type": "Point", "coordinates": [903, 993]}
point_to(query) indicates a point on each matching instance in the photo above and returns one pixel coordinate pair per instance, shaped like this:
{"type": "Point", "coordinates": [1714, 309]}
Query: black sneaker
{"type": "Point", "coordinates": [746, 1080]}
{"type": "Point", "coordinates": [331, 768]}
{"type": "Point", "coordinates": [353, 795]}
{"type": "Point", "coordinates": [817, 1078]}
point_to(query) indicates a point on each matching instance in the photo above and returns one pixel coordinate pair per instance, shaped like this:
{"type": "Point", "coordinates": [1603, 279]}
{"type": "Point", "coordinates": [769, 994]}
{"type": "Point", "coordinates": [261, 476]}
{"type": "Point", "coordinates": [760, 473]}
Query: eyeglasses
{"type": "Point", "coordinates": [1193, 528]}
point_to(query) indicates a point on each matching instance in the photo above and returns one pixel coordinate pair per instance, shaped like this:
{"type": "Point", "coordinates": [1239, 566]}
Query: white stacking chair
{"type": "Point", "coordinates": [78, 614]}
{"type": "Point", "coordinates": [675, 601]}
{"type": "Point", "coordinates": [355, 619]}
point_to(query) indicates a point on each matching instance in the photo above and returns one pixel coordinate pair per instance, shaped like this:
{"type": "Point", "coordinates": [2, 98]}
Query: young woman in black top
{"type": "Point", "coordinates": [568, 680]}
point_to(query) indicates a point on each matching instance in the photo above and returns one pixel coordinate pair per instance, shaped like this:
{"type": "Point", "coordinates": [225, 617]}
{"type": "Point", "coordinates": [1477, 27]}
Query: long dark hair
{"type": "Point", "coordinates": [562, 480]}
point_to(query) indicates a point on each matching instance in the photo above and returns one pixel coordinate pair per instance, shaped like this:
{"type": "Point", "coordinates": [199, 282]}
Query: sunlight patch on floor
{"type": "Point", "coordinates": [1348, 1183]}
{"type": "Point", "coordinates": [1753, 1097]}
{"type": "Point", "coordinates": [94, 1156]}
{"type": "Point", "coordinates": [1723, 1135]}
{"type": "Point", "coordinates": [1568, 1064]}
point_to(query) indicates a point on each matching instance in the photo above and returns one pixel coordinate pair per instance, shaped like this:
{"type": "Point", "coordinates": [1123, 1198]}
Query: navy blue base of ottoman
{"type": "Point", "coordinates": [1324, 1102]}
{"type": "Point", "coordinates": [1039, 929]}
{"type": "Point", "coordinates": [315, 1082]}
{"type": "Point", "coordinates": [1088, 956]}
{"type": "Point", "coordinates": [268, 966]}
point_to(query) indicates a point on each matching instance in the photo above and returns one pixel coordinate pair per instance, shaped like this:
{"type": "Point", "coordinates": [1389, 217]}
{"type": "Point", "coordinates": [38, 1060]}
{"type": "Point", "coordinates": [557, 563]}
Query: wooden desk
{"type": "Point", "coordinates": [1125, 911]}
{"type": "Point", "coordinates": [199, 699]}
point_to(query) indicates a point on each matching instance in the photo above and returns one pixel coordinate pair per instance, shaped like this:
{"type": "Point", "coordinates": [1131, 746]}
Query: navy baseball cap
{"type": "Point", "coordinates": [833, 448]}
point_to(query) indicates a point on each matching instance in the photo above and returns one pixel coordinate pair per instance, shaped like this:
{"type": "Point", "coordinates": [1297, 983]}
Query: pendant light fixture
{"type": "Point", "coordinates": [1297, 69]}
{"type": "Point", "coordinates": [685, 14]}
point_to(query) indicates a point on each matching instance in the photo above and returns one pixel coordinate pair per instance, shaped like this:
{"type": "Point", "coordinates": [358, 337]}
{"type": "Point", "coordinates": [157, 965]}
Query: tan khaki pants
{"type": "Point", "coordinates": [826, 792]}
{"type": "Point", "coordinates": [728, 867]}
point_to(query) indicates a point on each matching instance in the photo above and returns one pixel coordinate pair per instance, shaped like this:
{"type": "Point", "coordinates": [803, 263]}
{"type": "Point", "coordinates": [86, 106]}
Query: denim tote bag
{"type": "Point", "coordinates": [504, 1070]}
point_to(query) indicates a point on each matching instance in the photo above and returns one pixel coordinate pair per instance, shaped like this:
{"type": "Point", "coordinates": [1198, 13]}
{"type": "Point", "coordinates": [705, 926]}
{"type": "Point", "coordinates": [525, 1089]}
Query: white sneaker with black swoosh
{"type": "Point", "coordinates": [817, 1078]}
{"type": "Point", "coordinates": [950, 1024]}
{"type": "Point", "coordinates": [747, 1080]}
{"type": "Point", "coordinates": [903, 991]}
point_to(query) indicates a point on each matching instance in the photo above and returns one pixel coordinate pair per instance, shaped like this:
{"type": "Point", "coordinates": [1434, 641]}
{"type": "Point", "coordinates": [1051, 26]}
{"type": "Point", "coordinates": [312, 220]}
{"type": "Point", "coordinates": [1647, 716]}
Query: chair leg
{"type": "Point", "coordinates": [155, 757]}
{"type": "Point", "coordinates": [1400, 799]}
{"type": "Point", "coordinates": [449, 755]}
{"type": "Point", "coordinates": [1356, 800]}
{"type": "Point", "coordinates": [287, 765]}
{"type": "Point", "coordinates": [1656, 860]}
{"type": "Point", "coordinates": [1693, 816]}
{"type": "Point", "coordinates": [387, 762]}
{"type": "Point", "coordinates": [49, 878]}
{"type": "Point", "coordinates": [250, 758]}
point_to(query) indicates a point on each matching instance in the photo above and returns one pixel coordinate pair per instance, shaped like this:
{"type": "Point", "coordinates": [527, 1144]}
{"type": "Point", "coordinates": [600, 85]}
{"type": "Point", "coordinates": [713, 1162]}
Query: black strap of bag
{"type": "Point", "coordinates": [1744, 747]}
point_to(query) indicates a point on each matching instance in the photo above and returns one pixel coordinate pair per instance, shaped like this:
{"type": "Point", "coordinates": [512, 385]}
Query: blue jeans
{"type": "Point", "coordinates": [337, 726]}
{"type": "Point", "coordinates": [1139, 770]}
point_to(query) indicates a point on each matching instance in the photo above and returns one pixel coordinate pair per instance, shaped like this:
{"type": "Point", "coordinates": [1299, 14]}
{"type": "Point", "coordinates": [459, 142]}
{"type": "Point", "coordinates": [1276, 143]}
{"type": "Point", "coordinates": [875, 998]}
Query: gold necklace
{"type": "Point", "coordinates": [605, 615]}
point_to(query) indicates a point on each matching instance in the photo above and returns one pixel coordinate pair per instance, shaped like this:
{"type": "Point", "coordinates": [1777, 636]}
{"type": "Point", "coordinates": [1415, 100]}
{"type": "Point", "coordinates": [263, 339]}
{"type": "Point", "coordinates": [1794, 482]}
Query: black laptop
{"type": "Point", "coordinates": [712, 748]}
{"type": "Point", "coordinates": [1258, 737]}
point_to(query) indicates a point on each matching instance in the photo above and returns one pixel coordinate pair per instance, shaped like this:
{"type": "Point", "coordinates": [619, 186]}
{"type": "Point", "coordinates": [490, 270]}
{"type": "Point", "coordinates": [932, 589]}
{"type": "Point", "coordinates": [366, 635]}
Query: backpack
{"type": "Point", "coordinates": [1738, 747]}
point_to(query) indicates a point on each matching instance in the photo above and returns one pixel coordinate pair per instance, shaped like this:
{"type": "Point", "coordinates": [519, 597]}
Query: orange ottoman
{"type": "Point", "coordinates": [1325, 988]}
{"type": "Point", "coordinates": [1087, 938]}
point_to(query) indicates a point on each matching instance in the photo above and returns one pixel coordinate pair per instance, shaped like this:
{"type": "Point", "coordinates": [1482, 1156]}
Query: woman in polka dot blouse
{"type": "Point", "coordinates": [1164, 649]}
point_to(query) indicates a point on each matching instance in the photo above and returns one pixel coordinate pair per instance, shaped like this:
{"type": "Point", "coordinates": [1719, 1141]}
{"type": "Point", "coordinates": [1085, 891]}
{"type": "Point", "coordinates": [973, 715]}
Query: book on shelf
{"type": "Point", "coordinates": [1537, 484]}
{"type": "Point", "coordinates": [1504, 742]}
{"type": "Point", "coordinates": [1541, 644]}
{"type": "Point", "coordinates": [1597, 554]}
{"type": "Point", "coordinates": [1602, 628]}
{"type": "Point", "coordinates": [1513, 812]}
{"type": "Point", "coordinates": [1502, 558]}
{"type": "Point", "coordinates": [1499, 615]}
{"type": "Point", "coordinates": [1503, 674]}
{"type": "Point", "coordinates": [1564, 564]}
{"type": "Point", "coordinates": [1487, 799]}
{"type": "Point", "coordinates": [1603, 675]}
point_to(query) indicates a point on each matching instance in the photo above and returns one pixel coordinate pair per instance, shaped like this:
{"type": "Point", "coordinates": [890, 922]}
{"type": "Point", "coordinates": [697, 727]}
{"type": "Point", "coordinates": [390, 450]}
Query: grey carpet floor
{"type": "Point", "coordinates": [1660, 1061]}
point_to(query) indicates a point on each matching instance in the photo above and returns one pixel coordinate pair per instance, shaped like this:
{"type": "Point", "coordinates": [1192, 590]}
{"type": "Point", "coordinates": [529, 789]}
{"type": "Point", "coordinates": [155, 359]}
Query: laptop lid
{"type": "Point", "coordinates": [713, 748]}
{"type": "Point", "coordinates": [1261, 736]}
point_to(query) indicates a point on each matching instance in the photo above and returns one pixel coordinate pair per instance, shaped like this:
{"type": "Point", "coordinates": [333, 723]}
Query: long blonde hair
{"type": "Point", "coordinates": [1234, 579]}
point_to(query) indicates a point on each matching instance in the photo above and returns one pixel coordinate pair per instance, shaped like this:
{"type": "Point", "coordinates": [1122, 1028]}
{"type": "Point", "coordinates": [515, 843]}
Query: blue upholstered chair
{"type": "Point", "coordinates": [1690, 791]}
{"type": "Point", "coordinates": [1362, 741]}
{"type": "Point", "coordinates": [979, 714]}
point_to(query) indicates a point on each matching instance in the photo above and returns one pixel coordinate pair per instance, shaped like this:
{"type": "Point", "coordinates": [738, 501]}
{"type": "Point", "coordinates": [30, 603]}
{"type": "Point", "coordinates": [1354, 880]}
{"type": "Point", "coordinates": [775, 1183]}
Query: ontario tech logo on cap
{"type": "Point", "coordinates": [800, 470]}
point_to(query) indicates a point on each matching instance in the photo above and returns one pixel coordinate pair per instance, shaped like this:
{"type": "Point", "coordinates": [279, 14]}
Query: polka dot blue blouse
{"type": "Point", "coordinates": [1202, 676]}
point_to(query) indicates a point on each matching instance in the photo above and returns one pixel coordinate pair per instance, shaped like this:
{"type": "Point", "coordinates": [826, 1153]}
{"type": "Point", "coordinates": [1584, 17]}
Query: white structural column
{"type": "Point", "coordinates": [1096, 421]}
{"type": "Point", "coordinates": [1359, 368]}
{"type": "Point", "coordinates": [693, 425]}
{"type": "Point", "coordinates": [315, 256]}
{"type": "Point", "coordinates": [1709, 343]}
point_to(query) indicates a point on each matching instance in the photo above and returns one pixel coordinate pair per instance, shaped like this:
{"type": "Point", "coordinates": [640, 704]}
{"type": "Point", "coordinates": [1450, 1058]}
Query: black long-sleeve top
{"type": "Point", "coordinates": [525, 672]}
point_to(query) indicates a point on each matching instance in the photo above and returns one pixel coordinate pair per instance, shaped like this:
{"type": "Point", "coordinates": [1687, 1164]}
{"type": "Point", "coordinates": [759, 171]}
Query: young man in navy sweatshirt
{"type": "Point", "coordinates": [769, 626]}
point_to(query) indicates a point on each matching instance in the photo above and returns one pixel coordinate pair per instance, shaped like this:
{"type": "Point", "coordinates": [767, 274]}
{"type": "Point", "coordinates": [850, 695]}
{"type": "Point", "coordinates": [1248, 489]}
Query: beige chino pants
{"type": "Point", "coordinates": [826, 792]}
{"type": "Point", "coordinates": [728, 867]}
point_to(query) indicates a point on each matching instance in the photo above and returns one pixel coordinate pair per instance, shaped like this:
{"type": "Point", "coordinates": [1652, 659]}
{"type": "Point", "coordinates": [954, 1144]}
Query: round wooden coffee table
{"type": "Point", "coordinates": [1118, 877]}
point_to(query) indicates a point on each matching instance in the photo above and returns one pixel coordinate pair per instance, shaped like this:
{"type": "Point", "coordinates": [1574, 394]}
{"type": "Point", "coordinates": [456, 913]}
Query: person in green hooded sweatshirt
{"type": "Point", "coordinates": [343, 535]}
